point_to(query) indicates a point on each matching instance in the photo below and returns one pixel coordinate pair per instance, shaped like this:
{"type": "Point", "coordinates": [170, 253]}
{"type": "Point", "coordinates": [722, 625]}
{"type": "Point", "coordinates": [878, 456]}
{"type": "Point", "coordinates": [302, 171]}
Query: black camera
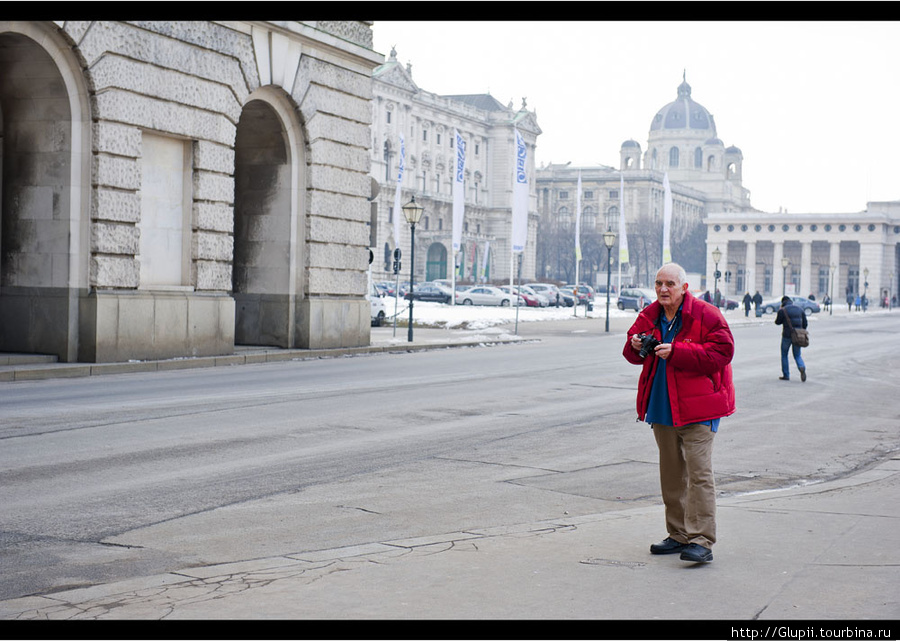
{"type": "Point", "coordinates": [648, 344]}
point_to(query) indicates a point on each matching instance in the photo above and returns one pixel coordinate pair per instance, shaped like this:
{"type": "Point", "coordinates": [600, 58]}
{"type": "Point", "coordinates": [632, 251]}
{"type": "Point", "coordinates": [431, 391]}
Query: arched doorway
{"type": "Point", "coordinates": [266, 273]}
{"type": "Point", "coordinates": [44, 191]}
{"type": "Point", "coordinates": [436, 265]}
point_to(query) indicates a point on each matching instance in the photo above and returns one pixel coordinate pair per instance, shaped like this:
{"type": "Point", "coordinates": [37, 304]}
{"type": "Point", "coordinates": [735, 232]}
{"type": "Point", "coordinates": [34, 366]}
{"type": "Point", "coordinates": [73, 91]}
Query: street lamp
{"type": "Point", "coordinates": [609, 239]}
{"type": "Point", "coordinates": [831, 304]}
{"type": "Point", "coordinates": [413, 212]}
{"type": "Point", "coordinates": [784, 265]}
{"type": "Point", "coordinates": [716, 256]}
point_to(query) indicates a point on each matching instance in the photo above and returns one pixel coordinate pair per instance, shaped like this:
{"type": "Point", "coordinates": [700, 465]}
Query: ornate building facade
{"type": "Point", "coordinates": [704, 175]}
{"type": "Point", "coordinates": [810, 254]}
{"type": "Point", "coordinates": [175, 188]}
{"type": "Point", "coordinates": [807, 254]}
{"type": "Point", "coordinates": [427, 122]}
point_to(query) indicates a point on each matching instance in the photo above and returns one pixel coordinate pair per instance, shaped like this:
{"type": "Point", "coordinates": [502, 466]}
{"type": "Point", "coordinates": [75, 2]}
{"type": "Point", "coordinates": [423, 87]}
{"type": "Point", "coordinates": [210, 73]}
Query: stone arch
{"type": "Point", "coordinates": [45, 153]}
{"type": "Point", "coordinates": [268, 277]}
{"type": "Point", "coordinates": [436, 262]}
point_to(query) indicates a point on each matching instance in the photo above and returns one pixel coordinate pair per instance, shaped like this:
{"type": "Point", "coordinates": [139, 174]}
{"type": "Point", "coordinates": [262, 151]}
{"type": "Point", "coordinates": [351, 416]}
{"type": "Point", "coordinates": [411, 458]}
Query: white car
{"type": "Point", "coordinates": [376, 302]}
{"type": "Point", "coordinates": [484, 295]}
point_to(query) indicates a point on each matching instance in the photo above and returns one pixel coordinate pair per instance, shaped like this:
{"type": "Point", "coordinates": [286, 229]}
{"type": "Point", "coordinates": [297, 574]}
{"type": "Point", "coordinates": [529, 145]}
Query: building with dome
{"type": "Point", "coordinates": [704, 175]}
{"type": "Point", "coordinates": [810, 254]}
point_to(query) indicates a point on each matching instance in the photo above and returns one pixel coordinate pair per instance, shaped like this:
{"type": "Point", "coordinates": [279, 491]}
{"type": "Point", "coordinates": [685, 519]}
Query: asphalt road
{"type": "Point", "coordinates": [120, 476]}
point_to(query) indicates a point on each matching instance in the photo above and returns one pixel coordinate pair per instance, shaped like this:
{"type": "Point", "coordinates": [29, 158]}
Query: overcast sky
{"type": "Point", "coordinates": [813, 106]}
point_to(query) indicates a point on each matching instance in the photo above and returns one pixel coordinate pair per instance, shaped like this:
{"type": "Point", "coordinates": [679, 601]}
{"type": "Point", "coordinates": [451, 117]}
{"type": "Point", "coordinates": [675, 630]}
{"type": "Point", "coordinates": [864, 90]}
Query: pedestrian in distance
{"type": "Point", "coordinates": [858, 302]}
{"type": "Point", "coordinates": [685, 348]}
{"type": "Point", "coordinates": [849, 302]}
{"type": "Point", "coordinates": [747, 301]}
{"type": "Point", "coordinates": [789, 316]}
{"type": "Point", "coordinates": [757, 302]}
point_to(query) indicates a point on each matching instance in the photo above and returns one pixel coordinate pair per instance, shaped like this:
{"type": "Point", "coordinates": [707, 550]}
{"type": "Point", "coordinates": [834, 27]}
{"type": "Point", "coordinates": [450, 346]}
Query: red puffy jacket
{"type": "Point", "coordinates": [698, 372]}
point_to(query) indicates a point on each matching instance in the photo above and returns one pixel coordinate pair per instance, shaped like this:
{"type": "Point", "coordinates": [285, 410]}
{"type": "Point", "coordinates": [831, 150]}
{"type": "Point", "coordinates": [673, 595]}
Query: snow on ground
{"type": "Point", "coordinates": [482, 316]}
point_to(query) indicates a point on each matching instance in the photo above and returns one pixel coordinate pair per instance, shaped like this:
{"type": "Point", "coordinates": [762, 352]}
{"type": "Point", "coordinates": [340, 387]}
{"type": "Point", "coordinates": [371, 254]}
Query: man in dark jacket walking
{"type": "Point", "coordinates": [685, 388]}
{"type": "Point", "coordinates": [792, 313]}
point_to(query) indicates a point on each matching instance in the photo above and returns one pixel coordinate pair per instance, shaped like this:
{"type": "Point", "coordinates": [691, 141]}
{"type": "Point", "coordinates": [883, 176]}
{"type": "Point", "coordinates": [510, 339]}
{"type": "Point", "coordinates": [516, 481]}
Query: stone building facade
{"type": "Point", "coordinates": [427, 122]}
{"type": "Point", "coordinates": [833, 254]}
{"type": "Point", "coordinates": [175, 188]}
{"type": "Point", "coordinates": [704, 176]}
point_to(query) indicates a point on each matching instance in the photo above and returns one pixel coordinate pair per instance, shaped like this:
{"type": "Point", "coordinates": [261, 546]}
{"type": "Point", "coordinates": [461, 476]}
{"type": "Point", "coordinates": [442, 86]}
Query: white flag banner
{"type": "Point", "coordinates": [459, 194]}
{"type": "Point", "coordinates": [667, 220]}
{"type": "Point", "coordinates": [397, 210]}
{"type": "Point", "coordinates": [484, 260]}
{"type": "Point", "coordinates": [520, 196]}
{"type": "Point", "coordinates": [623, 240]}
{"type": "Point", "coordinates": [578, 220]}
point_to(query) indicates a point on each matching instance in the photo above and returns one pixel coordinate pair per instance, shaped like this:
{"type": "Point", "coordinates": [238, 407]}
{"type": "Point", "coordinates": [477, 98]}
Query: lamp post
{"type": "Point", "coordinates": [831, 304]}
{"type": "Point", "coordinates": [784, 265]}
{"type": "Point", "coordinates": [413, 212]}
{"type": "Point", "coordinates": [716, 256]}
{"type": "Point", "coordinates": [609, 239]}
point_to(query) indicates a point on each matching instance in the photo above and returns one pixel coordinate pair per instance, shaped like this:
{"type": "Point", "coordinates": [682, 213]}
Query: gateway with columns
{"type": "Point", "coordinates": [807, 254]}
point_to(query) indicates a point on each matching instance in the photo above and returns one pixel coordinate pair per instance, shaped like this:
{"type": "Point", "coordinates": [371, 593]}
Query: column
{"type": "Point", "coordinates": [777, 269]}
{"type": "Point", "coordinates": [871, 257]}
{"type": "Point", "coordinates": [834, 259]}
{"type": "Point", "coordinates": [805, 268]}
{"type": "Point", "coordinates": [750, 268]}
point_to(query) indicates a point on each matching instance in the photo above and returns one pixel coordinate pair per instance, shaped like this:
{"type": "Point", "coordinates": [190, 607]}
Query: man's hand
{"type": "Point", "coordinates": [664, 350]}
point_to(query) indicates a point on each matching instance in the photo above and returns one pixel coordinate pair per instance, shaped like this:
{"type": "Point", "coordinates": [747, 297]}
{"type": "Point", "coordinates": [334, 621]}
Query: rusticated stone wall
{"type": "Point", "coordinates": [191, 81]}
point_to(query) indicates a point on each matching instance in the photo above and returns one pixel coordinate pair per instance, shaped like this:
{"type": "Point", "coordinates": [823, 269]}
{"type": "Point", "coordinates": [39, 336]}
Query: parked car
{"type": "Point", "coordinates": [377, 304]}
{"type": "Point", "coordinates": [635, 298]}
{"type": "Point", "coordinates": [584, 297]}
{"type": "Point", "coordinates": [528, 296]}
{"type": "Point", "coordinates": [434, 293]}
{"type": "Point", "coordinates": [550, 291]}
{"type": "Point", "coordinates": [543, 300]}
{"type": "Point", "coordinates": [808, 306]}
{"type": "Point", "coordinates": [484, 295]}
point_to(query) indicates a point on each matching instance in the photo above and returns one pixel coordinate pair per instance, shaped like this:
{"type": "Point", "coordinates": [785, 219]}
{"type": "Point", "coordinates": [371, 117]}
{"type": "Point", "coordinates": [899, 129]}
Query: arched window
{"type": "Point", "coordinates": [673, 157]}
{"type": "Point", "coordinates": [711, 163]}
{"type": "Point", "coordinates": [612, 218]}
{"type": "Point", "coordinates": [698, 158]}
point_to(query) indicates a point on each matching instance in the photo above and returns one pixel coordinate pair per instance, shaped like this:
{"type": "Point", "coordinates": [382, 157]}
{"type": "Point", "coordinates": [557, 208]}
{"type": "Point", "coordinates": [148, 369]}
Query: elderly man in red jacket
{"type": "Point", "coordinates": [685, 388]}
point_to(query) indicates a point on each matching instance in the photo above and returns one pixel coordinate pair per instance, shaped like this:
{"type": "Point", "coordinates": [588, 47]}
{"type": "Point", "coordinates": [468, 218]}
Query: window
{"type": "Point", "coordinates": [564, 195]}
{"type": "Point", "coordinates": [698, 158]}
{"type": "Point", "coordinates": [476, 148]}
{"type": "Point", "coordinates": [613, 194]}
{"type": "Point", "coordinates": [589, 195]}
{"type": "Point", "coordinates": [388, 114]}
{"type": "Point", "coordinates": [438, 141]}
{"type": "Point", "coordinates": [673, 157]}
{"type": "Point", "coordinates": [424, 134]}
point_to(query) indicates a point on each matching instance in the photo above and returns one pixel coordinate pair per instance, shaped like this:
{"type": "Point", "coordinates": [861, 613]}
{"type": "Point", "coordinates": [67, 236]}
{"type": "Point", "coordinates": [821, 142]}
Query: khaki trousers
{"type": "Point", "coordinates": [687, 482]}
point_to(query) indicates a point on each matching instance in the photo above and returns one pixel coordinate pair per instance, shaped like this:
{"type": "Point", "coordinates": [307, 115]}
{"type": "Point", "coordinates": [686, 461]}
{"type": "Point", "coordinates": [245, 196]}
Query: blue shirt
{"type": "Point", "coordinates": [659, 408]}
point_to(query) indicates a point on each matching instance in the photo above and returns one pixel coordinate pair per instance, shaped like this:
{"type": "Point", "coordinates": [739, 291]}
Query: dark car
{"type": "Point", "coordinates": [434, 293]}
{"type": "Point", "coordinates": [808, 306]}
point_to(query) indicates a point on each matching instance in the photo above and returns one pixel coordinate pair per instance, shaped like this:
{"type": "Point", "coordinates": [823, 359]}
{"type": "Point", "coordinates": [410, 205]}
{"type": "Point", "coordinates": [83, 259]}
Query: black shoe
{"type": "Point", "coordinates": [667, 546]}
{"type": "Point", "coordinates": [803, 374]}
{"type": "Point", "coordinates": [784, 378]}
{"type": "Point", "coordinates": [696, 553]}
